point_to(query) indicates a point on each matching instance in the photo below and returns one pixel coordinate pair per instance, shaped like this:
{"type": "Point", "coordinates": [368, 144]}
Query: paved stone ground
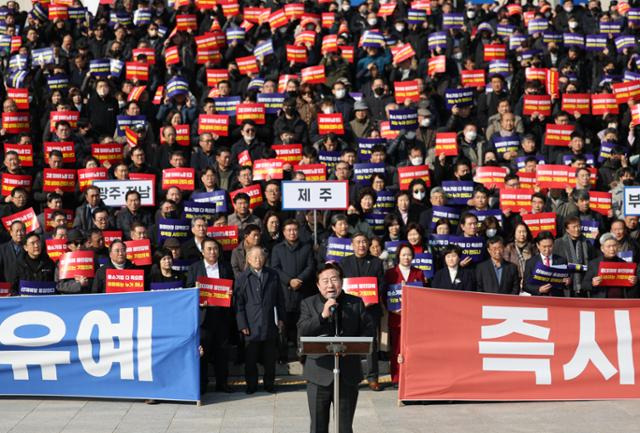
{"type": "Point", "coordinates": [286, 412]}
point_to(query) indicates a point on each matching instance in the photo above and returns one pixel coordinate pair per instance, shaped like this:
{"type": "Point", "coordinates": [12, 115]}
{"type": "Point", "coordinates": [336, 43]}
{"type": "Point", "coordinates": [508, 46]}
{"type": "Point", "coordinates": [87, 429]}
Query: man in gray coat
{"type": "Point", "coordinates": [294, 262]}
{"type": "Point", "coordinates": [259, 308]}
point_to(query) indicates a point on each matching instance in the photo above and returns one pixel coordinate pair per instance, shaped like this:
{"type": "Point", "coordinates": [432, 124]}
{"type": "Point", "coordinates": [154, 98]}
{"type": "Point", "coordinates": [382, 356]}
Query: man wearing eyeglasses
{"type": "Point", "coordinates": [318, 317]}
{"type": "Point", "coordinates": [249, 143]}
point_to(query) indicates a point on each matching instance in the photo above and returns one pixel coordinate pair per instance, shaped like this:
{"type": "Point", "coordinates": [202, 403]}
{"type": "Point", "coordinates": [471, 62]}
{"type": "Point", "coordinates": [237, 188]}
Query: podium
{"type": "Point", "coordinates": [337, 347]}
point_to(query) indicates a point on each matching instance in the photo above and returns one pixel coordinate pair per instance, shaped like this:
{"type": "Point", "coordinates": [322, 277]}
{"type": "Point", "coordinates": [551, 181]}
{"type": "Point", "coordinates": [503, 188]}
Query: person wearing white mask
{"type": "Point", "coordinates": [344, 102]}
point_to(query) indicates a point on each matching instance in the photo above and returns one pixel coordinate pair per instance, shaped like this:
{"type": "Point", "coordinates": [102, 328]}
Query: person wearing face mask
{"type": "Point", "coordinates": [343, 101]}
{"type": "Point", "coordinates": [290, 119]}
{"type": "Point", "coordinates": [378, 100]}
{"type": "Point", "coordinates": [496, 275]}
{"type": "Point", "coordinates": [102, 109]}
{"type": "Point", "coordinates": [249, 143]}
{"type": "Point", "coordinates": [358, 22]}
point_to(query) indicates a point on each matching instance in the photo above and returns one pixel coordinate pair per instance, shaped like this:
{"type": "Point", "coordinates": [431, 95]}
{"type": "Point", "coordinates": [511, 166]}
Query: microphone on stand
{"type": "Point", "coordinates": [333, 311]}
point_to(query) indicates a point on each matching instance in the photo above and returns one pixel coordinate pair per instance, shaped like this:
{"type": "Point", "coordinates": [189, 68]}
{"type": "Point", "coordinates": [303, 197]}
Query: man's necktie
{"type": "Point", "coordinates": [547, 262]}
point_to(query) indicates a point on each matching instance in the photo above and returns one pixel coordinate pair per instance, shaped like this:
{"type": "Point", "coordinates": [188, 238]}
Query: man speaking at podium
{"type": "Point", "coordinates": [329, 313]}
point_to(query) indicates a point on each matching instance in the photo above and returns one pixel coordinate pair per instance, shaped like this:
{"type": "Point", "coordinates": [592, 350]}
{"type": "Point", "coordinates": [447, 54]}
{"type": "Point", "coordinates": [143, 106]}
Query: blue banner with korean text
{"type": "Point", "coordinates": [125, 345]}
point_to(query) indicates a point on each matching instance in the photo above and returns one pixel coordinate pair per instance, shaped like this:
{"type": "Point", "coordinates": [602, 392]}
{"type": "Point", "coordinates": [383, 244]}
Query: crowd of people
{"type": "Point", "coordinates": [485, 146]}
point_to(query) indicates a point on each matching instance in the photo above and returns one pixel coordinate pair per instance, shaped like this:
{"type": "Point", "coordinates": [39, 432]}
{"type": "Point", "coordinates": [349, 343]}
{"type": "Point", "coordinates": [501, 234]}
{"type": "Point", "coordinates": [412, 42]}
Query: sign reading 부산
{"type": "Point", "coordinates": [127, 345]}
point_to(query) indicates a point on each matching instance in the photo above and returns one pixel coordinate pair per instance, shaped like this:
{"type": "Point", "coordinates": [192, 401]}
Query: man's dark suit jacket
{"type": "Point", "coordinates": [530, 265]}
{"type": "Point", "coordinates": [9, 260]}
{"type": "Point", "coordinates": [190, 251]}
{"type": "Point", "coordinates": [465, 280]}
{"type": "Point", "coordinates": [197, 270]}
{"type": "Point", "coordinates": [354, 321]}
{"type": "Point", "coordinates": [486, 280]}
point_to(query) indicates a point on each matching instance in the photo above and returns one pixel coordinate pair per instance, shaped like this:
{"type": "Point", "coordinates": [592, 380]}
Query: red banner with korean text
{"type": "Point", "coordinates": [328, 123]}
{"type": "Point", "coordinates": [227, 236]}
{"type": "Point", "coordinates": [362, 287]}
{"type": "Point", "coordinates": [604, 103]}
{"type": "Point", "coordinates": [473, 78]}
{"type": "Point", "coordinates": [553, 175]}
{"type": "Point", "coordinates": [65, 147]}
{"type": "Point", "coordinates": [251, 111]}
{"type": "Point", "coordinates": [406, 90]}
{"type": "Point", "coordinates": [491, 177]}
{"type": "Point", "coordinates": [86, 176]}
{"type": "Point", "coordinates": [15, 123]}
{"type": "Point", "coordinates": [576, 102]}
{"type": "Point", "coordinates": [24, 151]}
{"type": "Point", "coordinates": [11, 181]}
{"type": "Point", "coordinates": [267, 169]}
{"type": "Point", "coordinates": [76, 264]}
{"type": "Point", "coordinates": [215, 292]}
{"type": "Point", "coordinates": [139, 252]}
{"type": "Point", "coordinates": [20, 97]}
{"type": "Point", "coordinates": [446, 143]}
{"type": "Point", "coordinates": [501, 347]}
{"type": "Point", "coordinates": [289, 153]}
{"type": "Point", "coordinates": [58, 116]}
{"type": "Point", "coordinates": [408, 173]}
{"type": "Point", "coordinates": [616, 274]}
{"type": "Point", "coordinates": [27, 216]}
{"type": "Point", "coordinates": [312, 172]}
{"type": "Point", "coordinates": [540, 222]}
{"type": "Point", "coordinates": [540, 104]}
{"type": "Point", "coordinates": [626, 91]}
{"type": "Point", "coordinates": [600, 201]}
{"type": "Point", "coordinates": [558, 135]}
{"type": "Point", "coordinates": [59, 178]}
{"type": "Point", "coordinates": [253, 191]}
{"type": "Point", "coordinates": [56, 248]}
{"type": "Point", "coordinates": [124, 280]}
{"type": "Point", "coordinates": [515, 199]}
{"type": "Point", "coordinates": [214, 124]}
{"type": "Point", "coordinates": [49, 224]}
{"type": "Point", "coordinates": [183, 178]}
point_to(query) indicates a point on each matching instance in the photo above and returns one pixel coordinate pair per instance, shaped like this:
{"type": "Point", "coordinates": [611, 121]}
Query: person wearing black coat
{"type": "Point", "coordinates": [248, 142]}
{"type": "Point", "coordinates": [259, 309]}
{"type": "Point", "coordinates": [294, 262]}
{"type": "Point", "coordinates": [216, 324]}
{"type": "Point", "coordinates": [12, 252]}
{"type": "Point", "coordinates": [363, 264]}
{"type": "Point", "coordinates": [102, 109]}
{"type": "Point", "coordinates": [488, 271]}
{"type": "Point", "coordinates": [453, 276]}
{"type": "Point", "coordinates": [316, 320]}
{"type": "Point", "coordinates": [36, 264]}
{"type": "Point", "coordinates": [544, 242]}
{"type": "Point", "coordinates": [117, 260]}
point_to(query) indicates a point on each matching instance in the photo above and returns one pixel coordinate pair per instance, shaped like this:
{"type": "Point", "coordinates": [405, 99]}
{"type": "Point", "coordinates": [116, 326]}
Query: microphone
{"type": "Point", "coordinates": [334, 307]}
{"type": "Point", "coordinates": [334, 317]}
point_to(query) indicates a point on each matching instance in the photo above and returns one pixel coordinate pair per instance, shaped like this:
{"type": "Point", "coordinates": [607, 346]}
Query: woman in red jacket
{"type": "Point", "coordinates": [395, 278]}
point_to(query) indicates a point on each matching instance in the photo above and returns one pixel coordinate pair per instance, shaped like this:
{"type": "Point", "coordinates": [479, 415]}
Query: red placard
{"type": "Point", "coordinates": [137, 71]}
{"type": "Point", "coordinates": [402, 53]}
{"type": "Point", "coordinates": [473, 78]}
{"type": "Point", "coordinates": [214, 123]}
{"type": "Point", "coordinates": [296, 54]}
{"type": "Point", "coordinates": [254, 192]}
{"type": "Point", "coordinates": [251, 111]}
{"type": "Point", "coordinates": [247, 65]}
{"type": "Point", "coordinates": [27, 216]}
{"type": "Point", "coordinates": [553, 82]}
{"type": "Point", "coordinates": [553, 175]}
{"type": "Point", "coordinates": [406, 90]}
{"type": "Point", "coordinates": [230, 8]}
{"type": "Point", "coordinates": [214, 76]}
{"type": "Point", "coordinates": [58, 116]}
{"type": "Point", "coordinates": [289, 153]}
{"type": "Point", "coordinates": [277, 19]}
{"type": "Point", "coordinates": [139, 252]}
{"type": "Point", "coordinates": [540, 222]}
{"type": "Point", "coordinates": [227, 236]}
{"type": "Point", "coordinates": [149, 52]}
{"type": "Point", "coordinates": [604, 103]}
{"type": "Point", "coordinates": [346, 52]}
{"type": "Point", "coordinates": [312, 172]}
{"type": "Point", "coordinates": [539, 74]}
{"type": "Point", "coordinates": [186, 22]}
{"type": "Point", "coordinates": [15, 123]}
{"type": "Point", "coordinates": [76, 264]}
{"type": "Point", "coordinates": [330, 123]}
{"type": "Point", "coordinates": [625, 91]}
{"type": "Point", "coordinates": [491, 177]}
{"type": "Point", "coordinates": [56, 248]}
{"type": "Point", "coordinates": [386, 9]}
{"type": "Point", "coordinates": [110, 236]}
{"type": "Point", "coordinates": [576, 102]}
{"type": "Point", "coordinates": [5, 289]}
{"type": "Point", "coordinates": [495, 52]}
{"type": "Point", "coordinates": [437, 65]}
{"type": "Point", "coordinates": [536, 104]}
{"type": "Point", "coordinates": [66, 147]}
{"type": "Point", "coordinates": [183, 178]}
{"type": "Point", "coordinates": [558, 135]}
{"type": "Point", "coordinates": [124, 280]}
{"type": "Point", "coordinates": [244, 159]}
{"type": "Point", "coordinates": [86, 176]}
{"type": "Point", "coordinates": [362, 287]}
{"type": "Point", "coordinates": [600, 201]}
{"type": "Point", "coordinates": [514, 348]}
{"type": "Point", "coordinates": [314, 75]}
{"type": "Point", "coordinates": [59, 178]}
{"type": "Point", "coordinates": [616, 274]}
{"type": "Point", "coordinates": [20, 97]}
{"type": "Point", "coordinates": [305, 37]}
{"type": "Point", "coordinates": [266, 169]}
{"type": "Point", "coordinates": [293, 11]}
{"type": "Point", "coordinates": [328, 18]}
{"type": "Point", "coordinates": [24, 151]}
{"type": "Point", "coordinates": [215, 292]}
{"type": "Point", "coordinates": [515, 199]}
{"type": "Point", "coordinates": [446, 143]}
{"type": "Point", "coordinates": [387, 132]}
{"type": "Point", "coordinates": [48, 222]}
{"type": "Point", "coordinates": [527, 180]}
{"type": "Point", "coordinates": [408, 173]}
{"type": "Point", "coordinates": [171, 56]}
{"type": "Point", "coordinates": [329, 44]}
{"type": "Point", "coordinates": [11, 181]}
